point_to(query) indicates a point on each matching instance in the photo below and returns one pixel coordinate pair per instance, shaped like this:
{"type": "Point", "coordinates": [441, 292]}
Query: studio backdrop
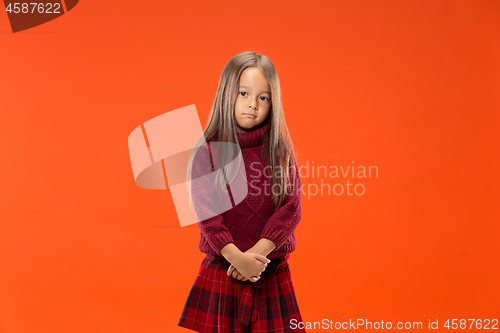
{"type": "Point", "coordinates": [393, 110]}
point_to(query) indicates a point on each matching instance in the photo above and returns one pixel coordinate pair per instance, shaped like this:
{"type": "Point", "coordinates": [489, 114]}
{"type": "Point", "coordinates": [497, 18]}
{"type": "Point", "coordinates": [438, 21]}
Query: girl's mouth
{"type": "Point", "coordinates": [249, 115]}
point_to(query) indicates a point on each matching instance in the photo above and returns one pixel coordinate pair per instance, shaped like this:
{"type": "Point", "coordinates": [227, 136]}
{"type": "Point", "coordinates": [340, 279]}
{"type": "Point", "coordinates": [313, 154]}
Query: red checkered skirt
{"type": "Point", "coordinates": [218, 303]}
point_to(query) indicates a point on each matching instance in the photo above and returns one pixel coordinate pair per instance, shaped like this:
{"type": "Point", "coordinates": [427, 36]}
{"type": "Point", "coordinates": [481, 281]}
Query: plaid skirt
{"type": "Point", "coordinates": [218, 303]}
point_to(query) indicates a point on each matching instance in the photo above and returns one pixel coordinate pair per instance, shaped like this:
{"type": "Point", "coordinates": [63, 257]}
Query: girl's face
{"type": "Point", "coordinates": [253, 101]}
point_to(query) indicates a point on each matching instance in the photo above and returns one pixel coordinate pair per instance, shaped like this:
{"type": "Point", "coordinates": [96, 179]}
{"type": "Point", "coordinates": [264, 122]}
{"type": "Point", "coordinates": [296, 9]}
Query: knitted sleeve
{"type": "Point", "coordinates": [286, 218]}
{"type": "Point", "coordinates": [209, 202]}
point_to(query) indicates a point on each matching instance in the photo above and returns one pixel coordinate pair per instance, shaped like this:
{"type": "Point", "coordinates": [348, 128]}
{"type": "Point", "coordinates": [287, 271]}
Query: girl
{"type": "Point", "coordinates": [244, 283]}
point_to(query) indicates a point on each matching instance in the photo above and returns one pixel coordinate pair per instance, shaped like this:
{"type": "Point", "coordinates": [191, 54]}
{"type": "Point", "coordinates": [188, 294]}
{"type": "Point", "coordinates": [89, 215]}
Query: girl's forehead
{"type": "Point", "coordinates": [254, 79]}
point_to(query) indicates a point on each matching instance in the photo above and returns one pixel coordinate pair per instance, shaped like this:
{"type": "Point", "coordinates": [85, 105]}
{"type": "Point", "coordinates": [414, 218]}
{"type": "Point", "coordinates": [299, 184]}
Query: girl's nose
{"type": "Point", "coordinates": [253, 104]}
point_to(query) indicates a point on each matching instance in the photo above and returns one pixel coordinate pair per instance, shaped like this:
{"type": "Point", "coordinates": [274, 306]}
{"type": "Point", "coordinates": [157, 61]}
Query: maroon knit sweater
{"type": "Point", "coordinates": [256, 216]}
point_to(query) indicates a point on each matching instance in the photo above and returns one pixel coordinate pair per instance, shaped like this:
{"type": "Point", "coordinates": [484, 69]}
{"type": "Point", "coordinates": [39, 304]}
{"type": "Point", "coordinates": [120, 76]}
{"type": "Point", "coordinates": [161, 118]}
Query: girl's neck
{"type": "Point", "coordinates": [244, 130]}
{"type": "Point", "coordinates": [241, 130]}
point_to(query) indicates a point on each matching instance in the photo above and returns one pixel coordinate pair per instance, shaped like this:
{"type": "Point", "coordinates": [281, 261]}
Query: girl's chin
{"type": "Point", "coordinates": [245, 129]}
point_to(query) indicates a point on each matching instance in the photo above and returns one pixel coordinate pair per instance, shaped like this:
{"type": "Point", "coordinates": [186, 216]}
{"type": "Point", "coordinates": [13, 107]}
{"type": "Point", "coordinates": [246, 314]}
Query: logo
{"type": "Point", "coordinates": [160, 151]}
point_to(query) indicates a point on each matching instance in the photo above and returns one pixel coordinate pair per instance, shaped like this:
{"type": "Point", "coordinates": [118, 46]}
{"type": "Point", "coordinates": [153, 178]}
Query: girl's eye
{"type": "Point", "coordinates": [243, 93]}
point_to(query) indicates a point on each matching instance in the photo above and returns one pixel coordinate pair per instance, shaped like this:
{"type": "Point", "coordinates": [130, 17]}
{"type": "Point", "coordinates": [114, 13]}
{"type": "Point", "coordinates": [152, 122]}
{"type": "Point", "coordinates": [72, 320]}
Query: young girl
{"type": "Point", "coordinates": [244, 283]}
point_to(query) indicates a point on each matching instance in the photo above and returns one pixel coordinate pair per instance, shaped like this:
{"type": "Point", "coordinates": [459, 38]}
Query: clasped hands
{"type": "Point", "coordinates": [248, 265]}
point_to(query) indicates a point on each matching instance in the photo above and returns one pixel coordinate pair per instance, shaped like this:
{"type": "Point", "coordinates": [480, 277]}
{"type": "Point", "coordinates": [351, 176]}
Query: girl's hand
{"type": "Point", "coordinates": [249, 266]}
{"type": "Point", "coordinates": [232, 271]}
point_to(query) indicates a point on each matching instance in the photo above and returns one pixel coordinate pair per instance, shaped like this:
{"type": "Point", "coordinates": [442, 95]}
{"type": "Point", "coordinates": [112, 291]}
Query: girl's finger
{"type": "Point", "coordinates": [230, 270]}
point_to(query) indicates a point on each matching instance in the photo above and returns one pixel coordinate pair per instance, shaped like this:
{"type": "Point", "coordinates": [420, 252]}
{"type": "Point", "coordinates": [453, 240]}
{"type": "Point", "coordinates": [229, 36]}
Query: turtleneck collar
{"type": "Point", "coordinates": [253, 138]}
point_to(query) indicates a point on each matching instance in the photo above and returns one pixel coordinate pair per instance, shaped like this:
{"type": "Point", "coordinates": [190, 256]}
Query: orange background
{"type": "Point", "coordinates": [408, 86]}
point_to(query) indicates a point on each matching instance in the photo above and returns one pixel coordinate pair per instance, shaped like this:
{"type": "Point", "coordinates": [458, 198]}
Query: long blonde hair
{"type": "Point", "coordinates": [221, 123]}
